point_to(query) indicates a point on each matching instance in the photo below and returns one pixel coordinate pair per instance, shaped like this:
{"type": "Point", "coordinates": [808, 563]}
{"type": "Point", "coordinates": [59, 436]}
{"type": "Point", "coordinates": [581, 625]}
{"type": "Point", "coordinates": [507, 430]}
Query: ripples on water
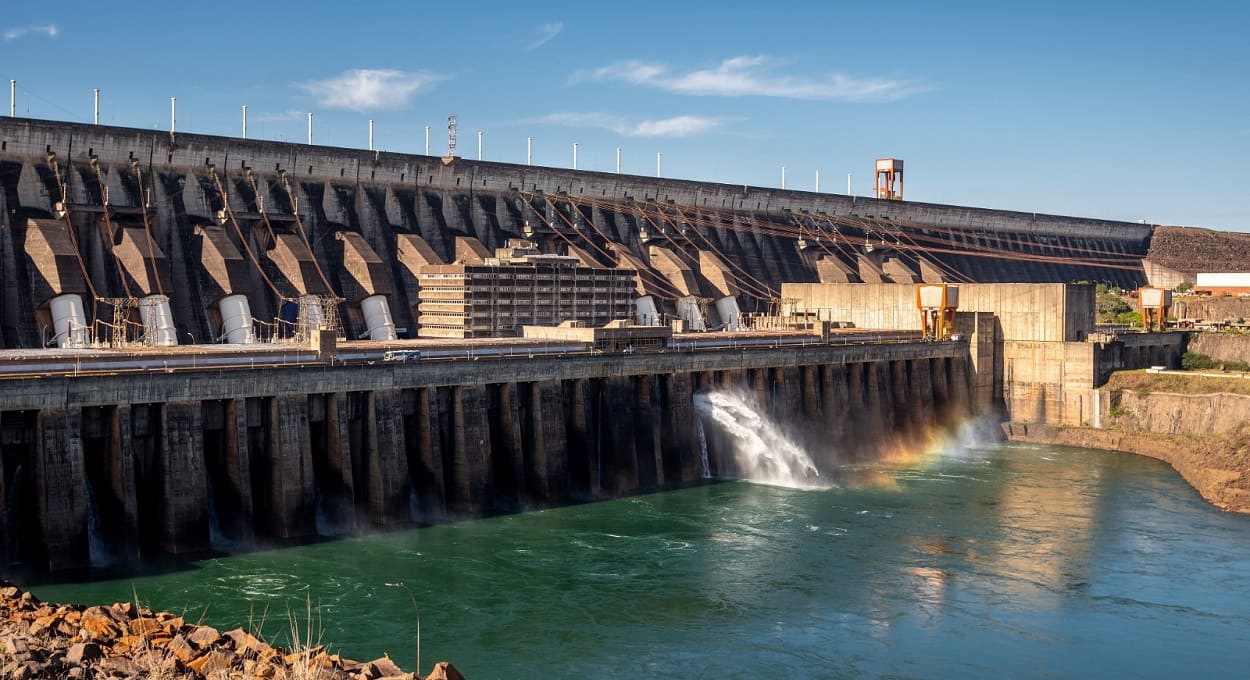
{"type": "Point", "coordinates": [1012, 561]}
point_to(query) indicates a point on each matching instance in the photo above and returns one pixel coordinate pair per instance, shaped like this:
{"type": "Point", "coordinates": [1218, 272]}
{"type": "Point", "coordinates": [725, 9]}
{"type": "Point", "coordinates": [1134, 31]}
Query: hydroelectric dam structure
{"type": "Point", "coordinates": [197, 334]}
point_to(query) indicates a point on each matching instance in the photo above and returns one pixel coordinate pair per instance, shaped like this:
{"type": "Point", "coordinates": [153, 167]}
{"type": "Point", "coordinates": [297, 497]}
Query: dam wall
{"type": "Point", "coordinates": [100, 470]}
{"type": "Point", "coordinates": [109, 213]}
{"type": "Point", "coordinates": [1037, 357]}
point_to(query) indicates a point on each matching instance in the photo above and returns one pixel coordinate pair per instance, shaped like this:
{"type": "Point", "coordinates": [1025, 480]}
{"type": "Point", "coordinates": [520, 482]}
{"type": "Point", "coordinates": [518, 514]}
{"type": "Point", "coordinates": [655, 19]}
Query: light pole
{"type": "Point", "coordinates": [417, 610]}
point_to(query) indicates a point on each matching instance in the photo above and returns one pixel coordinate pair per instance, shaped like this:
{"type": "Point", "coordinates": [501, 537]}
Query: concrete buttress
{"type": "Point", "coordinates": [238, 469]}
{"type": "Point", "coordinates": [289, 469]}
{"type": "Point", "coordinates": [336, 481]}
{"type": "Point", "coordinates": [619, 444]}
{"type": "Point", "coordinates": [60, 486]}
{"type": "Point", "coordinates": [470, 491]}
{"type": "Point", "coordinates": [387, 481]}
{"type": "Point", "coordinates": [122, 489]}
{"type": "Point", "coordinates": [183, 501]}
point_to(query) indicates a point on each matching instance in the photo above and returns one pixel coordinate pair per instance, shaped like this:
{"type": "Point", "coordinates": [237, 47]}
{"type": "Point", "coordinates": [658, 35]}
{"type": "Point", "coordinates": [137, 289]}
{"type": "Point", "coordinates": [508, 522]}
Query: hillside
{"type": "Point", "coordinates": [1191, 250]}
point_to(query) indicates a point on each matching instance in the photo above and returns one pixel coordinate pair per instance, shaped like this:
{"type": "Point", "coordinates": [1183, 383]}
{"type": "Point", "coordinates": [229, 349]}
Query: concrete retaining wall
{"type": "Point", "coordinates": [179, 463]}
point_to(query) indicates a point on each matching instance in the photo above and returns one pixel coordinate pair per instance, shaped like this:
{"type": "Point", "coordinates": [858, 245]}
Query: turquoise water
{"type": "Point", "coordinates": [985, 562]}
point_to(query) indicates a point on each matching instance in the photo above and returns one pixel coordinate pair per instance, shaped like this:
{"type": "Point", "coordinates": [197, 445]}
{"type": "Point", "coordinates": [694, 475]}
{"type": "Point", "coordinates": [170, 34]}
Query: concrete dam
{"type": "Point", "coordinates": [215, 343]}
{"type": "Point", "coordinates": [122, 214]}
{"type": "Point", "coordinates": [117, 467]}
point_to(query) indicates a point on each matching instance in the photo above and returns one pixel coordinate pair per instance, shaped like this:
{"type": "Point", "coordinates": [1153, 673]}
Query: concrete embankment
{"type": "Point", "coordinates": [126, 641]}
{"type": "Point", "coordinates": [1200, 425]}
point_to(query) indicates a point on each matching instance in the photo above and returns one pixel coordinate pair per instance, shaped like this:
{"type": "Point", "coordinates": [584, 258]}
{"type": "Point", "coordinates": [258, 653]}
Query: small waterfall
{"type": "Point", "coordinates": [216, 538]}
{"type": "Point", "coordinates": [705, 468]}
{"type": "Point", "coordinates": [321, 517]}
{"type": "Point", "coordinates": [97, 547]}
{"type": "Point", "coordinates": [414, 504]}
{"type": "Point", "coordinates": [12, 520]}
{"type": "Point", "coordinates": [761, 450]}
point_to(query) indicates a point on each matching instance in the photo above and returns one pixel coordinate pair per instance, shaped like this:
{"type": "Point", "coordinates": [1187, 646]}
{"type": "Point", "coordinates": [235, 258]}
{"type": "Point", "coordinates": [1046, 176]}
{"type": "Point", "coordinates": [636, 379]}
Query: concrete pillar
{"type": "Point", "coordinates": [427, 464]}
{"type": "Point", "coordinates": [906, 412]}
{"type": "Point", "coordinates": [941, 390]}
{"type": "Point", "coordinates": [122, 488]}
{"type": "Point", "coordinates": [336, 477]}
{"type": "Point", "coordinates": [548, 467]}
{"type": "Point", "coordinates": [60, 488]}
{"type": "Point", "coordinates": [862, 390]}
{"type": "Point", "coordinates": [289, 469]}
{"type": "Point", "coordinates": [470, 490]}
{"type": "Point", "coordinates": [510, 405]}
{"type": "Point", "coordinates": [647, 433]}
{"type": "Point", "coordinates": [181, 471]}
{"type": "Point", "coordinates": [387, 482]}
{"type": "Point", "coordinates": [873, 405]}
{"type": "Point", "coordinates": [812, 401]}
{"type": "Point", "coordinates": [885, 385]}
{"type": "Point", "coordinates": [238, 473]}
{"type": "Point", "coordinates": [837, 411]}
{"type": "Point", "coordinates": [617, 405]}
{"type": "Point", "coordinates": [679, 436]}
{"type": "Point", "coordinates": [4, 513]}
{"type": "Point", "coordinates": [957, 382]}
{"type": "Point", "coordinates": [584, 442]}
{"type": "Point", "coordinates": [922, 391]}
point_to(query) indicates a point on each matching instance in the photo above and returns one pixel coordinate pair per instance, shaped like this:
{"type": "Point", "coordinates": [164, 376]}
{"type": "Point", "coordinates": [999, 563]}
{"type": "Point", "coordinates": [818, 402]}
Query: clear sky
{"type": "Point", "coordinates": [1119, 110]}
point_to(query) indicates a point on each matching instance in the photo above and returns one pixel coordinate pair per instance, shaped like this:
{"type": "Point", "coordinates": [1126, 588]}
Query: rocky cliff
{"type": "Point", "coordinates": [1199, 425]}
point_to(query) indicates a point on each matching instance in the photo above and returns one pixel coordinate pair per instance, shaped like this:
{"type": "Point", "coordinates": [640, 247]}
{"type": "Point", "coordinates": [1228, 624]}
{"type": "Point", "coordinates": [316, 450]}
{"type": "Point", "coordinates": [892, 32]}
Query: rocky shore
{"type": "Point", "coordinates": [124, 641]}
{"type": "Point", "coordinates": [1198, 424]}
{"type": "Point", "coordinates": [1215, 466]}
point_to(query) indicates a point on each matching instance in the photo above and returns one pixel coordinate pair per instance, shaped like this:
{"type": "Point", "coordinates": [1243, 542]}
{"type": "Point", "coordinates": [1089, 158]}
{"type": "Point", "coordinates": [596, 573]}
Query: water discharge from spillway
{"type": "Point", "coordinates": [762, 452]}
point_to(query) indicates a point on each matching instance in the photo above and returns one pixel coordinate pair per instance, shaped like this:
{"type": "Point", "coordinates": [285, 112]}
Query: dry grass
{"type": "Point", "coordinates": [305, 643]}
{"type": "Point", "coordinates": [1179, 383]}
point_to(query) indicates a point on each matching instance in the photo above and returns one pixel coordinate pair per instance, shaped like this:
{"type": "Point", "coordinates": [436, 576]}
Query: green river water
{"type": "Point", "coordinates": [994, 561]}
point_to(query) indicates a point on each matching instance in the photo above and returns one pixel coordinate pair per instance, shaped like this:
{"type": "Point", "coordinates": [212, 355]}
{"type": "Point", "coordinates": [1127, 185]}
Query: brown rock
{"type": "Point", "coordinates": [26, 671]}
{"type": "Point", "coordinates": [215, 661]}
{"type": "Point", "coordinates": [145, 626]}
{"type": "Point", "coordinates": [118, 666]}
{"type": "Point", "coordinates": [180, 648]}
{"type": "Point", "coordinates": [444, 671]}
{"type": "Point", "coordinates": [203, 636]}
{"type": "Point", "coordinates": [100, 628]}
{"type": "Point", "coordinates": [82, 652]}
{"type": "Point", "coordinates": [381, 668]}
{"type": "Point", "coordinates": [44, 624]}
{"type": "Point", "coordinates": [122, 611]}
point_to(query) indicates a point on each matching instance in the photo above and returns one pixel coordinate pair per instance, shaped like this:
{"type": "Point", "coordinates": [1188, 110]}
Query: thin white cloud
{"type": "Point", "coordinates": [366, 89]}
{"type": "Point", "coordinates": [50, 31]}
{"type": "Point", "coordinates": [677, 126]}
{"type": "Point", "coordinates": [546, 33]}
{"type": "Point", "coordinates": [751, 76]}
{"type": "Point", "coordinates": [278, 116]}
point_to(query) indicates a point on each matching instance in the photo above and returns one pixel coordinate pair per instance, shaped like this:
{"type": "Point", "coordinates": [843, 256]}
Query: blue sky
{"type": "Point", "coordinates": [1116, 110]}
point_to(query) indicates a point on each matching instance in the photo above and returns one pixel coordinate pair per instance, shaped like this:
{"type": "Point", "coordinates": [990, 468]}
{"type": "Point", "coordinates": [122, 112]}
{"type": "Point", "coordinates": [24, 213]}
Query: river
{"type": "Point", "coordinates": [973, 561]}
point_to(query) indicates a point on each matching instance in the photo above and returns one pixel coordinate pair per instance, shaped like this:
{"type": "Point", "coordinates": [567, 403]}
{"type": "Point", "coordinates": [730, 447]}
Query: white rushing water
{"type": "Point", "coordinates": [705, 467]}
{"type": "Point", "coordinates": [762, 452]}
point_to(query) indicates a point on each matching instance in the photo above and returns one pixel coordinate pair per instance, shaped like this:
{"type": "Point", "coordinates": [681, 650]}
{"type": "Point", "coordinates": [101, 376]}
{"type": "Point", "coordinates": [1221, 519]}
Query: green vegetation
{"type": "Point", "coordinates": [1183, 287]}
{"type": "Point", "coordinates": [1192, 361]}
{"type": "Point", "coordinates": [1115, 307]}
